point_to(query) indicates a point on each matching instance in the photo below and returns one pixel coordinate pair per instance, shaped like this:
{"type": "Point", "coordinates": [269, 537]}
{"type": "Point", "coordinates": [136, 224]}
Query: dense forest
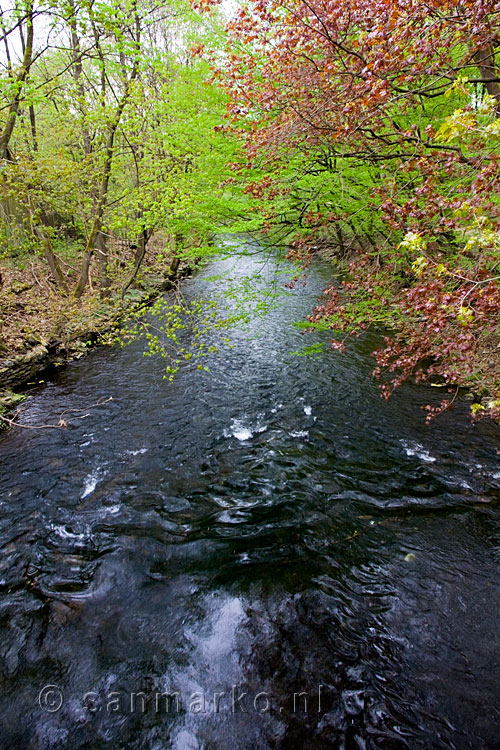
{"type": "Point", "coordinates": [131, 133]}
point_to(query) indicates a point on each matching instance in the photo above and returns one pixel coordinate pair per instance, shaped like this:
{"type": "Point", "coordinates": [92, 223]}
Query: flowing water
{"type": "Point", "coordinates": [271, 532]}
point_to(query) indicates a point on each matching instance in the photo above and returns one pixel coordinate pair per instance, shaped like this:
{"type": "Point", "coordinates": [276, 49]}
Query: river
{"type": "Point", "coordinates": [271, 532]}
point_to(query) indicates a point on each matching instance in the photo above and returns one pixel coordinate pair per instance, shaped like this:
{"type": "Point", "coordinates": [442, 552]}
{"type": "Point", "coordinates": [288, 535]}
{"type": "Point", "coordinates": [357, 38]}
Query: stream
{"type": "Point", "coordinates": [266, 555]}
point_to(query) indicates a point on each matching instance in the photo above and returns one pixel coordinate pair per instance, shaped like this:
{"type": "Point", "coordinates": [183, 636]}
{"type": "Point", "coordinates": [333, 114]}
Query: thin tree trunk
{"type": "Point", "coordinates": [13, 110]}
{"type": "Point", "coordinates": [357, 236]}
{"type": "Point", "coordinates": [33, 128]}
{"type": "Point", "coordinates": [106, 173]}
{"type": "Point", "coordinates": [31, 108]}
{"type": "Point", "coordinates": [54, 266]}
{"type": "Point", "coordinates": [139, 257]}
{"type": "Point", "coordinates": [171, 274]}
{"type": "Point", "coordinates": [103, 191]}
{"type": "Point", "coordinates": [102, 256]}
{"type": "Point", "coordinates": [50, 257]}
{"type": "Point", "coordinates": [174, 267]}
{"type": "Point", "coordinates": [340, 239]}
{"type": "Point", "coordinates": [144, 235]}
{"type": "Point", "coordinates": [100, 239]}
{"type": "Point", "coordinates": [76, 53]}
{"type": "Point", "coordinates": [6, 44]}
{"type": "Point", "coordinates": [84, 274]}
{"type": "Point", "coordinates": [370, 240]}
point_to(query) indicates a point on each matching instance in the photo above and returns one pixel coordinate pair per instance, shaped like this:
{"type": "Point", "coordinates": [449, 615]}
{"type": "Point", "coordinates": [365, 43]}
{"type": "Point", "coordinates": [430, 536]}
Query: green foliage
{"type": "Point", "coordinates": [182, 331]}
{"type": "Point", "coordinates": [170, 159]}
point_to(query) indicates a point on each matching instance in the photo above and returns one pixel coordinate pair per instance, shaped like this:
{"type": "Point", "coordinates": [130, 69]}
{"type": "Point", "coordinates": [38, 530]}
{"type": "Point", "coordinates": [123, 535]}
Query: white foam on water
{"type": "Point", "coordinates": [418, 450]}
{"type": "Point", "coordinates": [243, 432]}
{"type": "Point", "coordinates": [214, 659]}
{"type": "Point", "coordinates": [308, 411]}
{"type": "Point", "coordinates": [137, 452]}
{"type": "Point", "coordinates": [90, 482]}
{"type": "Point", "coordinates": [227, 517]}
{"type": "Point", "coordinates": [300, 433]}
{"type": "Point", "coordinates": [63, 532]}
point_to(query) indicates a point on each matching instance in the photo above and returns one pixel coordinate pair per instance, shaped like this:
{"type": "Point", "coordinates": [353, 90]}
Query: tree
{"type": "Point", "coordinates": [114, 126]}
{"type": "Point", "coordinates": [378, 122]}
{"type": "Point", "coordinates": [23, 16]}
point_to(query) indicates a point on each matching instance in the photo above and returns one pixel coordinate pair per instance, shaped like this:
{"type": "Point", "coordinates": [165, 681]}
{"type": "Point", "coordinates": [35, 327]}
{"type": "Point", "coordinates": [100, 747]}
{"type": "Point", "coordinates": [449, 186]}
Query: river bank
{"type": "Point", "coordinates": [38, 331]}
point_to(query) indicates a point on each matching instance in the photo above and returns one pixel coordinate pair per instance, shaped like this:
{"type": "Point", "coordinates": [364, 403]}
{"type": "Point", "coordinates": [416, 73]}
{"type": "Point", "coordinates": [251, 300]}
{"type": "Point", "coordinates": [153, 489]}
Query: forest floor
{"type": "Point", "coordinates": [33, 310]}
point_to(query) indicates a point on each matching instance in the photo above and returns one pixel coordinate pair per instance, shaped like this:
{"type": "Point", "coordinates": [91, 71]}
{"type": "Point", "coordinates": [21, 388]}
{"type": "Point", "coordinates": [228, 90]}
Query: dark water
{"type": "Point", "coordinates": [270, 528]}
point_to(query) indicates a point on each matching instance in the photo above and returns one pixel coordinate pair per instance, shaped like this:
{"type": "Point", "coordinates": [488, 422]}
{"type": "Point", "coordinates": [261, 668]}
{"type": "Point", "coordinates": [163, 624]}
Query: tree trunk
{"type": "Point", "coordinates": [84, 274]}
{"type": "Point", "coordinates": [31, 108]}
{"type": "Point", "coordinates": [139, 257]}
{"type": "Point", "coordinates": [50, 257]}
{"type": "Point", "coordinates": [6, 134]}
{"type": "Point", "coordinates": [171, 274]}
{"type": "Point", "coordinates": [102, 256]}
{"type": "Point", "coordinates": [76, 54]}
{"type": "Point", "coordinates": [174, 267]}
{"type": "Point", "coordinates": [485, 61]}
{"type": "Point", "coordinates": [103, 191]}
{"type": "Point", "coordinates": [106, 173]}
{"type": "Point", "coordinates": [340, 239]}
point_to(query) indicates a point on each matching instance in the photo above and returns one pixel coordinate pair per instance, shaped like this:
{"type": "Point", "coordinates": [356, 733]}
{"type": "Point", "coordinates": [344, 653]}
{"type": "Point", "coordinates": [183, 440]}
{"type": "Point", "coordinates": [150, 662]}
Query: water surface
{"type": "Point", "coordinates": [267, 529]}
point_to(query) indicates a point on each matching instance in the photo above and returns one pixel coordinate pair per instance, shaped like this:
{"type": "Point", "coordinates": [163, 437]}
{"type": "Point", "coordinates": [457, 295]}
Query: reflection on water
{"type": "Point", "coordinates": [265, 556]}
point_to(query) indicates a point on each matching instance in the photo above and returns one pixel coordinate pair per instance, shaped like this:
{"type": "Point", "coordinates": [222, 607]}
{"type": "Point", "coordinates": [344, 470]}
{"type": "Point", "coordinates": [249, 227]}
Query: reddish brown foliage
{"type": "Point", "coordinates": [367, 82]}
